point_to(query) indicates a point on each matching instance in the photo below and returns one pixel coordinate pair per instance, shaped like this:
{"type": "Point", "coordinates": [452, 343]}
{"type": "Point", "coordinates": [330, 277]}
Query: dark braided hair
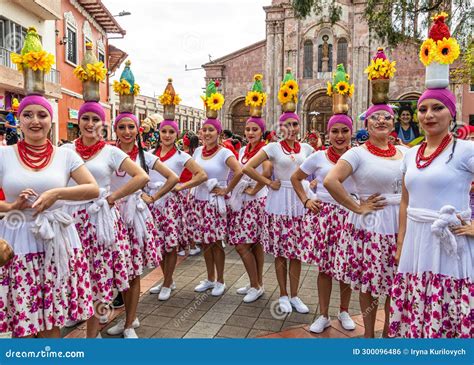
{"type": "Point", "coordinates": [141, 154]}
{"type": "Point", "coordinates": [454, 142]}
{"type": "Point", "coordinates": [193, 142]}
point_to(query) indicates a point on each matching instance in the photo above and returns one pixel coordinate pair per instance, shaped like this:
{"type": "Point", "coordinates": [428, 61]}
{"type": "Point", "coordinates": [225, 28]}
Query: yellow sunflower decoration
{"type": "Point", "coordinates": [440, 46]}
{"type": "Point", "coordinates": [32, 54]}
{"type": "Point", "coordinates": [169, 96]}
{"type": "Point", "coordinates": [340, 84]}
{"type": "Point", "coordinates": [90, 69]}
{"type": "Point", "coordinates": [213, 99]}
{"type": "Point", "coordinates": [288, 93]}
{"type": "Point", "coordinates": [256, 97]}
{"type": "Point", "coordinates": [122, 87]}
{"type": "Point", "coordinates": [285, 95]}
{"type": "Point", "coordinates": [447, 51]}
{"type": "Point", "coordinates": [380, 67]}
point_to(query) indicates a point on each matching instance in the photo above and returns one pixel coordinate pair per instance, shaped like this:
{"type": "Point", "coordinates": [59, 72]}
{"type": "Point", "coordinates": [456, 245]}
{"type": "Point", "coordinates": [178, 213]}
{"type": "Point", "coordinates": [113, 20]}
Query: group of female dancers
{"type": "Point", "coordinates": [86, 218]}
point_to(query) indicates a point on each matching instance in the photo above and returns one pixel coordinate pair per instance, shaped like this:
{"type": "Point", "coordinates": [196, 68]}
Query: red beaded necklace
{"type": "Point", "coordinates": [390, 152]}
{"type": "Point", "coordinates": [86, 152]}
{"type": "Point", "coordinates": [35, 157]}
{"type": "Point", "coordinates": [296, 149]}
{"type": "Point", "coordinates": [249, 154]}
{"type": "Point", "coordinates": [420, 158]}
{"type": "Point", "coordinates": [132, 154]}
{"type": "Point", "coordinates": [209, 153]}
{"type": "Point", "coordinates": [168, 155]}
{"type": "Point", "coordinates": [333, 155]}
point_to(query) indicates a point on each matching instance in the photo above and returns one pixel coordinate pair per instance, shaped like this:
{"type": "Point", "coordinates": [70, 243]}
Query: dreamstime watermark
{"type": "Point", "coordinates": [102, 310]}
{"type": "Point", "coordinates": [14, 220]}
{"type": "Point", "coordinates": [47, 353]}
{"type": "Point", "coordinates": [276, 311]}
{"type": "Point", "coordinates": [190, 310]}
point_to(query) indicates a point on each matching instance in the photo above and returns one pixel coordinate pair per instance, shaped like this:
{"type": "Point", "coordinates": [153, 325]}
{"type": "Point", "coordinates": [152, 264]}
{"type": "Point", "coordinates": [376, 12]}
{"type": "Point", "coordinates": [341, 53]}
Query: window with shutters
{"type": "Point", "coordinates": [342, 52]}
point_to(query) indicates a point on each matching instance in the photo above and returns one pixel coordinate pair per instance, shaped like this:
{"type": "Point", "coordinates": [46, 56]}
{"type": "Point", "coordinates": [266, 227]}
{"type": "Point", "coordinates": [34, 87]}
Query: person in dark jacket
{"type": "Point", "coordinates": [406, 129]}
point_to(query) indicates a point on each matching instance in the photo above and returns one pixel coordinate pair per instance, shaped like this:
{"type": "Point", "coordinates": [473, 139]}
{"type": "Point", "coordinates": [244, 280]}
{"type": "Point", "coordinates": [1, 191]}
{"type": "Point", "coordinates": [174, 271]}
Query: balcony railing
{"type": "Point", "coordinates": [53, 76]}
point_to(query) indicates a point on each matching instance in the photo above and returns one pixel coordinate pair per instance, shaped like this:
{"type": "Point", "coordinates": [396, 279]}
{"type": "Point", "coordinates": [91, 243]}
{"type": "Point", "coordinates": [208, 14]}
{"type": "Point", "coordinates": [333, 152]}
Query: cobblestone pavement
{"type": "Point", "coordinates": [188, 314]}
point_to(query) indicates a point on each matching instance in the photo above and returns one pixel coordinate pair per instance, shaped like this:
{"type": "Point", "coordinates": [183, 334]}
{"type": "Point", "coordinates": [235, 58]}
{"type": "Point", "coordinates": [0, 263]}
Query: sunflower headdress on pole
{"type": "Point", "coordinates": [127, 89]}
{"type": "Point", "coordinates": [91, 72]}
{"type": "Point", "coordinates": [33, 62]}
{"type": "Point", "coordinates": [288, 93]}
{"type": "Point", "coordinates": [380, 71]}
{"type": "Point", "coordinates": [340, 90]}
{"type": "Point", "coordinates": [256, 98]}
{"type": "Point", "coordinates": [438, 52]}
{"type": "Point", "coordinates": [213, 100]}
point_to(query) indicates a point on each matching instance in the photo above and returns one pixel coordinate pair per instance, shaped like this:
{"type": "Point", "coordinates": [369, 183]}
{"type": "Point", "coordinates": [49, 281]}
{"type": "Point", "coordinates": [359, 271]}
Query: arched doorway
{"type": "Point", "coordinates": [239, 115]}
{"type": "Point", "coordinates": [318, 111]}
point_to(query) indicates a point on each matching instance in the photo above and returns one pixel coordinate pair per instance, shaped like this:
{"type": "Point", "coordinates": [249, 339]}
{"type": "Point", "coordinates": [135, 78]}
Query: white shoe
{"type": "Point", "coordinates": [320, 324]}
{"type": "Point", "coordinates": [346, 321]}
{"type": "Point", "coordinates": [244, 290]}
{"type": "Point", "coordinates": [194, 251]}
{"type": "Point", "coordinates": [119, 328]}
{"type": "Point", "coordinates": [164, 293]}
{"type": "Point", "coordinates": [104, 319]}
{"type": "Point", "coordinates": [129, 333]}
{"type": "Point", "coordinates": [298, 304]}
{"type": "Point", "coordinates": [252, 295]}
{"type": "Point", "coordinates": [204, 285]}
{"type": "Point", "coordinates": [182, 253]}
{"type": "Point", "coordinates": [156, 289]}
{"type": "Point", "coordinates": [70, 323]}
{"type": "Point", "coordinates": [285, 305]}
{"type": "Point", "coordinates": [219, 289]}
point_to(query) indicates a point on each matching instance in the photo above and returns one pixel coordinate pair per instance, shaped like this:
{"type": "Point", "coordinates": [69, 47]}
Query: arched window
{"type": "Point", "coordinates": [308, 60]}
{"type": "Point", "coordinates": [342, 52]}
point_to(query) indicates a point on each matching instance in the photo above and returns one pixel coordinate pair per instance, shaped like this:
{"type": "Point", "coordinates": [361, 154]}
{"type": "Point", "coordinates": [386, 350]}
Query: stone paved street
{"type": "Point", "coordinates": [188, 314]}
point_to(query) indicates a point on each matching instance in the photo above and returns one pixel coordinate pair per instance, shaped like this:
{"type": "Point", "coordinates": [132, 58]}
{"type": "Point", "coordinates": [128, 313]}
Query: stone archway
{"type": "Point", "coordinates": [239, 114]}
{"type": "Point", "coordinates": [319, 103]}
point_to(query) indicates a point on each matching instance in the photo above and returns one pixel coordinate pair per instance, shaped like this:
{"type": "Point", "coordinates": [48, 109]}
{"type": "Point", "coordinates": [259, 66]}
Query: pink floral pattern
{"type": "Point", "coordinates": [428, 305]}
{"type": "Point", "coordinates": [169, 220]}
{"type": "Point", "coordinates": [209, 225]}
{"type": "Point", "coordinates": [282, 237]}
{"type": "Point", "coordinates": [246, 225]}
{"type": "Point", "coordinates": [32, 300]}
{"type": "Point", "coordinates": [187, 218]}
{"type": "Point", "coordinates": [366, 260]}
{"type": "Point", "coordinates": [107, 265]}
{"type": "Point", "coordinates": [146, 255]}
{"type": "Point", "coordinates": [322, 231]}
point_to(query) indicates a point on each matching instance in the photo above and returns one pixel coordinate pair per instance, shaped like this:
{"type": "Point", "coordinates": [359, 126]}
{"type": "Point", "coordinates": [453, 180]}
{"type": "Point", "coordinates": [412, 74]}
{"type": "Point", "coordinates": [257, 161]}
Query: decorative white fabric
{"type": "Point", "coordinates": [136, 214]}
{"type": "Point", "coordinates": [102, 217]}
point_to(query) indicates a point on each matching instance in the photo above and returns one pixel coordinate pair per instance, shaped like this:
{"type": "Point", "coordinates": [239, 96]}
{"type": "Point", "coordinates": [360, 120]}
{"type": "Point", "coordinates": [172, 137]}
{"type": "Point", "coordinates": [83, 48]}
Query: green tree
{"type": "Point", "coordinates": [395, 21]}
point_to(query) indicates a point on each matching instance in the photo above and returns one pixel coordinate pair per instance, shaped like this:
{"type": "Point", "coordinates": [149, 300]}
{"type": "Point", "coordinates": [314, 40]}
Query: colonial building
{"type": "Point", "coordinates": [312, 47]}
{"type": "Point", "coordinates": [84, 21]}
{"type": "Point", "coordinates": [188, 118]}
{"type": "Point", "coordinates": [15, 18]}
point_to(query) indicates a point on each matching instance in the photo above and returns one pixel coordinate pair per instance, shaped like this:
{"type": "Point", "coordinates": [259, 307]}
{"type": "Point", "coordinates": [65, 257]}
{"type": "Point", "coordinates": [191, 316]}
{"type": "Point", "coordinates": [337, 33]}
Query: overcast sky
{"type": "Point", "coordinates": [165, 35]}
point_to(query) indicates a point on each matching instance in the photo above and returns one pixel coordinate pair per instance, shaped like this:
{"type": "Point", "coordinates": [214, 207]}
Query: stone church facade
{"type": "Point", "coordinates": [299, 44]}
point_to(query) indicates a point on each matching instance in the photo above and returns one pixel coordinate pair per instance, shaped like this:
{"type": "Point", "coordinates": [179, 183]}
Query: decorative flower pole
{"type": "Point", "coordinates": [438, 52]}
{"type": "Point", "coordinates": [169, 99]}
{"type": "Point", "coordinates": [33, 62]}
{"type": "Point", "coordinates": [256, 98]}
{"type": "Point", "coordinates": [340, 90]}
{"type": "Point", "coordinates": [288, 93]}
{"type": "Point", "coordinates": [213, 100]}
{"type": "Point", "coordinates": [91, 72]}
{"type": "Point", "coordinates": [127, 90]}
{"type": "Point", "coordinates": [380, 71]}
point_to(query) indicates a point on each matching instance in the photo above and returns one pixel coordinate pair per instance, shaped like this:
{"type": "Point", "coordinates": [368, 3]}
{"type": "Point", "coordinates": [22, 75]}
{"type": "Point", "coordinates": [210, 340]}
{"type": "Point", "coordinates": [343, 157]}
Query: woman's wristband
{"type": "Point", "coordinates": [306, 201]}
